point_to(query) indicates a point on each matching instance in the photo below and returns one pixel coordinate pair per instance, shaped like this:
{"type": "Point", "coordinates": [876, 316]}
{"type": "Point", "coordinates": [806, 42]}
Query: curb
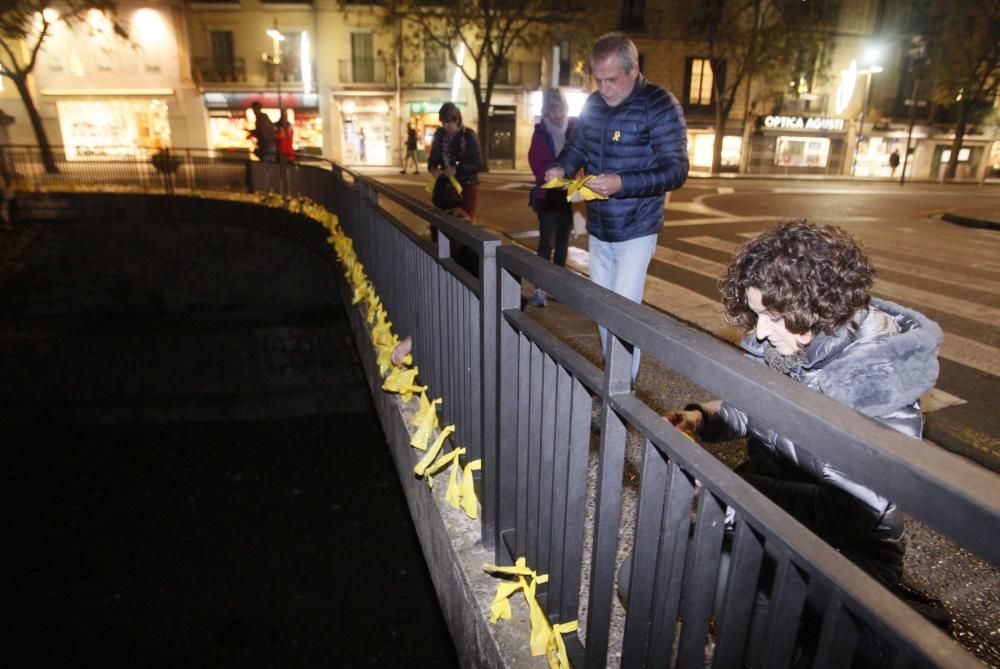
{"type": "Point", "coordinates": [970, 222]}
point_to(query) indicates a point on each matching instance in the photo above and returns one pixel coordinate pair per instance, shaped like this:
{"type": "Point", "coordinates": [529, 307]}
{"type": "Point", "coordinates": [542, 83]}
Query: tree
{"type": "Point", "coordinates": [480, 36]}
{"type": "Point", "coordinates": [747, 39]}
{"type": "Point", "coordinates": [24, 27]}
{"type": "Point", "coordinates": [965, 62]}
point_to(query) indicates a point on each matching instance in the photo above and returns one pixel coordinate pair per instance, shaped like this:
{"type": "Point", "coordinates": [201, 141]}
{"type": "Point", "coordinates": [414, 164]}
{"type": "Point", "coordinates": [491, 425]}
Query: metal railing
{"type": "Point", "coordinates": [522, 399]}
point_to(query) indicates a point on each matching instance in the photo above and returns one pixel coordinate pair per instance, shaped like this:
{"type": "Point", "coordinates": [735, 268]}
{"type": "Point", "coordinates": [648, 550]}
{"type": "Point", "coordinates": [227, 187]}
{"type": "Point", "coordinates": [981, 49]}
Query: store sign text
{"type": "Point", "coordinates": [820, 123]}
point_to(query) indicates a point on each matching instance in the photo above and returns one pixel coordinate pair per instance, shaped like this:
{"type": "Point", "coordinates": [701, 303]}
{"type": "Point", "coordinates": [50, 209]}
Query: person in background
{"type": "Point", "coordinates": [555, 214]}
{"type": "Point", "coordinates": [893, 161]}
{"type": "Point", "coordinates": [284, 134]}
{"type": "Point", "coordinates": [455, 151]}
{"type": "Point", "coordinates": [411, 150]}
{"type": "Point", "coordinates": [362, 154]}
{"type": "Point", "coordinates": [631, 136]}
{"type": "Point", "coordinates": [263, 134]}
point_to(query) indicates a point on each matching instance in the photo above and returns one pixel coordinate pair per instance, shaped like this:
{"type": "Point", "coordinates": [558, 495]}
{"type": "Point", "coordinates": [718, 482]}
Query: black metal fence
{"type": "Point", "coordinates": [522, 400]}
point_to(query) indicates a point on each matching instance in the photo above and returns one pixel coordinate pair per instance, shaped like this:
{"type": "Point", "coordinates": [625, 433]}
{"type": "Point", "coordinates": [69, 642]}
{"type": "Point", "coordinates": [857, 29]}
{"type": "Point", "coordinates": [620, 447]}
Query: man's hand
{"type": "Point", "coordinates": [605, 184]}
{"type": "Point", "coordinates": [435, 172]}
{"type": "Point", "coordinates": [450, 171]}
{"type": "Point", "coordinates": [555, 172]}
{"type": "Point", "coordinates": [687, 421]}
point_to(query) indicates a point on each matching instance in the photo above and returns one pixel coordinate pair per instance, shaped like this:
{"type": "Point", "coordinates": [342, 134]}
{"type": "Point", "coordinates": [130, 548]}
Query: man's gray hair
{"type": "Point", "coordinates": [616, 44]}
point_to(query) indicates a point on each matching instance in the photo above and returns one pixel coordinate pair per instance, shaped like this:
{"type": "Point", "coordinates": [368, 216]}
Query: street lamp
{"type": "Point", "coordinates": [274, 58]}
{"type": "Point", "coordinates": [870, 56]}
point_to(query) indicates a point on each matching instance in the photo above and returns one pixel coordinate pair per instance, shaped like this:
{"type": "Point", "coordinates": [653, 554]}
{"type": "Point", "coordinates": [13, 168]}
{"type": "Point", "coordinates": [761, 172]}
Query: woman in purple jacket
{"type": "Point", "coordinates": [555, 215]}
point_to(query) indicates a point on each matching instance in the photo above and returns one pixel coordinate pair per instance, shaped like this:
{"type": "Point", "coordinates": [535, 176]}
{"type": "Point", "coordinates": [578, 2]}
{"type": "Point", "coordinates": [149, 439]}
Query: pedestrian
{"type": "Point", "coordinates": [263, 135]}
{"type": "Point", "coordinates": [455, 152]}
{"type": "Point", "coordinates": [801, 293]}
{"type": "Point", "coordinates": [631, 136]}
{"type": "Point", "coordinates": [411, 149]}
{"type": "Point", "coordinates": [555, 214]}
{"type": "Point", "coordinates": [284, 134]}
{"type": "Point", "coordinates": [362, 155]}
{"type": "Point", "coordinates": [893, 161]}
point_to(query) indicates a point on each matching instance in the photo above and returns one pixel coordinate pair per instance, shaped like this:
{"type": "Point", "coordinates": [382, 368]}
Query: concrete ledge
{"type": "Point", "coordinates": [450, 541]}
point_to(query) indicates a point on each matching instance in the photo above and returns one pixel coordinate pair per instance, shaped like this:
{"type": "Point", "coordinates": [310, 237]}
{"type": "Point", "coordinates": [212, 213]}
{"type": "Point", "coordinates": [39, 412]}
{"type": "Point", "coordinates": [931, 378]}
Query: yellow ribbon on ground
{"type": "Point", "coordinates": [556, 654]}
{"type": "Point", "coordinates": [469, 501]}
{"type": "Point", "coordinates": [426, 419]}
{"type": "Point", "coordinates": [528, 580]}
{"type": "Point", "coordinates": [574, 186]}
{"type": "Point", "coordinates": [433, 451]}
{"type": "Point", "coordinates": [403, 381]}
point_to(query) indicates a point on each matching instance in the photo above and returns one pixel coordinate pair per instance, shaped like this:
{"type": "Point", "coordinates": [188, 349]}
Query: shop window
{"type": "Point", "coordinates": [701, 146]}
{"type": "Point", "coordinates": [633, 16]}
{"type": "Point", "coordinates": [699, 87]}
{"type": "Point", "coordinates": [291, 57]}
{"type": "Point", "coordinates": [802, 152]}
{"type": "Point", "coordinates": [362, 58]}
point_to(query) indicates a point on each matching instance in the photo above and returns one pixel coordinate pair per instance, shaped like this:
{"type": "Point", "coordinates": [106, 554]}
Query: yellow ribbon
{"type": "Point", "coordinates": [469, 501]}
{"type": "Point", "coordinates": [433, 451]}
{"type": "Point", "coordinates": [453, 494]}
{"type": "Point", "coordinates": [556, 654]}
{"type": "Point", "coordinates": [528, 580]}
{"type": "Point", "coordinates": [426, 419]}
{"type": "Point", "coordinates": [574, 186]}
{"type": "Point", "coordinates": [403, 381]}
{"type": "Point", "coordinates": [454, 182]}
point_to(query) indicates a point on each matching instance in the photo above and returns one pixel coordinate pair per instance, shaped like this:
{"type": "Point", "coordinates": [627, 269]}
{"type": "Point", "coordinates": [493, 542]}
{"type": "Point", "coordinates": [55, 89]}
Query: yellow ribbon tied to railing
{"type": "Point", "coordinates": [384, 347]}
{"type": "Point", "coordinates": [426, 419]}
{"type": "Point", "coordinates": [361, 292]}
{"type": "Point", "coordinates": [433, 451]}
{"type": "Point", "coordinates": [469, 501]}
{"type": "Point", "coordinates": [528, 580]}
{"type": "Point", "coordinates": [453, 494]}
{"type": "Point", "coordinates": [574, 187]}
{"type": "Point", "coordinates": [454, 182]}
{"type": "Point", "coordinates": [374, 306]}
{"type": "Point", "coordinates": [556, 654]}
{"type": "Point", "coordinates": [403, 382]}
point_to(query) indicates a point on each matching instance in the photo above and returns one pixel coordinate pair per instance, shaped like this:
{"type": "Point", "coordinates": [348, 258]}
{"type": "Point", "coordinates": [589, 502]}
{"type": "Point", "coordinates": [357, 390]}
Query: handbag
{"type": "Point", "coordinates": [445, 196]}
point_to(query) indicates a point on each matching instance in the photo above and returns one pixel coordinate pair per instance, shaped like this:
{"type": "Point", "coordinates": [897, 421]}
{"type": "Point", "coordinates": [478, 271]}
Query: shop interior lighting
{"type": "Point", "coordinates": [149, 26]}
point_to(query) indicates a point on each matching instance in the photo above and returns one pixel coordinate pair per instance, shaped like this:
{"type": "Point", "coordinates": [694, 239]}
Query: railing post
{"type": "Point", "coordinates": [500, 491]}
{"type": "Point", "coordinates": [489, 360]}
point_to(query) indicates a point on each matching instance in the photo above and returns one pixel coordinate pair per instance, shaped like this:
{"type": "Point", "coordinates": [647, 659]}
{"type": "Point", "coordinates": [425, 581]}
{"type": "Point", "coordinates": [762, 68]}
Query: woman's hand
{"type": "Point", "coordinates": [691, 422]}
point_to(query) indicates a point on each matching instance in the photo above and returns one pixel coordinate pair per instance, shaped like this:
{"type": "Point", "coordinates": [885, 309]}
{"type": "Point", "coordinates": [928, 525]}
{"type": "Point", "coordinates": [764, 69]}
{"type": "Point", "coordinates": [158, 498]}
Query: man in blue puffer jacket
{"type": "Point", "coordinates": [631, 134]}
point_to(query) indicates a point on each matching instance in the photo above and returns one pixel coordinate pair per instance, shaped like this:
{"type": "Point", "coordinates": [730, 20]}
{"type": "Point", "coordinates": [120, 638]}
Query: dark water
{"type": "Point", "coordinates": [252, 544]}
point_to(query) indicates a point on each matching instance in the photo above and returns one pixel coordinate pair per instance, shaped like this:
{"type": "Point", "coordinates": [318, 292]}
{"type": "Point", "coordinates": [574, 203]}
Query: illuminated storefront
{"type": "Point", "coordinates": [366, 132]}
{"type": "Point", "coordinates": [113, 127]}
{"type": "Point", "coordinates": [701, 145]}
{"type": "Point", "coordinates": [798, 145]}
{"type": "Point", "coordinates": [230, 119]}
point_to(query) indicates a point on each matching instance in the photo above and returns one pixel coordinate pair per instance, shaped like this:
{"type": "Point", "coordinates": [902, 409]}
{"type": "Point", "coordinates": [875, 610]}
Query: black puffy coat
{"type": "Point", "coordinates": [643, 140]}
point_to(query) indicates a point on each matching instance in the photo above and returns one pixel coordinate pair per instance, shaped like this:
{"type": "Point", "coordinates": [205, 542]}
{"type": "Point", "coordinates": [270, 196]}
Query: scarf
{"type": "Point", "coordinates": [557, 132]}
{"type": "Point", "coordinates": [783, 363]}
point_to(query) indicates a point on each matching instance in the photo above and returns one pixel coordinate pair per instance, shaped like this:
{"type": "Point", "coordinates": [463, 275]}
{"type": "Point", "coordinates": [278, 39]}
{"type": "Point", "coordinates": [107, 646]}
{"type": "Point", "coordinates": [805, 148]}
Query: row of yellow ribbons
{"type": "Point", "coordinates": [546, 638]}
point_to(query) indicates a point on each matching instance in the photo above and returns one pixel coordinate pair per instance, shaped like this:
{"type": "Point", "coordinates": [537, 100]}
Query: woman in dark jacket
{"type": "Point", "coordinates": [555, 215]}
{"type": "Point", "coordinates": [802, 293]}
{"type": "Point", "coordinates": [455, 151]}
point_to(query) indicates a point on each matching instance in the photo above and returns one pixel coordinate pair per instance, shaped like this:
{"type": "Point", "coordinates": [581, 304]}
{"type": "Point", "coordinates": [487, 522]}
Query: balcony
{"type": "Point", "coordinates": [208, 71]}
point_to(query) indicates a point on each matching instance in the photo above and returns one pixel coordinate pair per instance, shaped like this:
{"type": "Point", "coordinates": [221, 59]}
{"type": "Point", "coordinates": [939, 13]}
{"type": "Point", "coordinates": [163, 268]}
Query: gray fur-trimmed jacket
{"type": "Point", "coordinates": [881, 370]}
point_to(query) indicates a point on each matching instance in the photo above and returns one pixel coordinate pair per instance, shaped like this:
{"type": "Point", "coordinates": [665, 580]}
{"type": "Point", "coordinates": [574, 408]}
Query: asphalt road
{"type": "Point", "coordinates": [948, 272]}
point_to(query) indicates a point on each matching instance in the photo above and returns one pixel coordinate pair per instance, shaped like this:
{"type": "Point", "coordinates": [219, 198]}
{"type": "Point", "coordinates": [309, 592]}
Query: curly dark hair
{"type": "Point", "coordinates": [814, 276]}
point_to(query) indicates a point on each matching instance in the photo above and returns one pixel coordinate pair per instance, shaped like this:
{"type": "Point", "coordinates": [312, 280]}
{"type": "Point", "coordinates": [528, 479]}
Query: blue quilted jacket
{"type": "Point", "coordinates": [644, 140]}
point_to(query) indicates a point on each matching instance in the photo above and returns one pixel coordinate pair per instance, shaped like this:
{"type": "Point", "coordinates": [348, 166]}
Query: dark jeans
{"type": "Point", "coordinates": [554, 227]}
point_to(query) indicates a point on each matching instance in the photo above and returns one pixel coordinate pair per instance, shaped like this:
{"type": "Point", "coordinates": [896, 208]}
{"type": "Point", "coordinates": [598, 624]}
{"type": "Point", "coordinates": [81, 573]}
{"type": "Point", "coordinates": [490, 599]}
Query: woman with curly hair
{"type": "Point", "coordinates": [801, 292]}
